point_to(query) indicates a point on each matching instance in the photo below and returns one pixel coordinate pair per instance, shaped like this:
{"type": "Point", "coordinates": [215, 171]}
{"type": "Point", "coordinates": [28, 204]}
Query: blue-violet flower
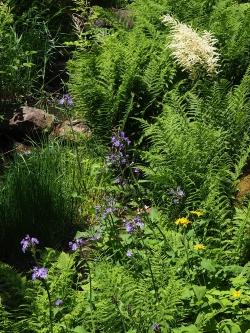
{"type": "Point", "coordinates": [28, 242]}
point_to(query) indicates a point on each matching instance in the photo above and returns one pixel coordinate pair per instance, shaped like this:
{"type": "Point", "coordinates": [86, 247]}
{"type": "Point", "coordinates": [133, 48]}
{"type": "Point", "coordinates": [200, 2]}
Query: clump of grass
{"type": "Point", "coordinates": [36, 197]}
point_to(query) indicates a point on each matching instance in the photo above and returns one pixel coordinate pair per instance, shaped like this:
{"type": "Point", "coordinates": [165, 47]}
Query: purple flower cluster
{"type": "Point", "coordinates": [28, 243]}
{"type": "Point", "coordinates": [176, 195]}
{"type": "Point", "coordinates": [129, 253]}
{"type": "Point", "coordinates": [133, 225]}
{"type": "Point", "coordinates": [58, 302]}
{"type": "Point", "coordinates": [156, 327]}
{"type": "Point", "coordinates": [76, 244]}
{"type": "Point", "coordinates": [120, 181]}
{"type": "Point", "coordinates": [39, 273]}
{"type": "Point", "coordinates": [66, 100]}
{"type": "Point", "coordinates": [118, 155]}
{"type": "Point", "coordinates": [109, 208]}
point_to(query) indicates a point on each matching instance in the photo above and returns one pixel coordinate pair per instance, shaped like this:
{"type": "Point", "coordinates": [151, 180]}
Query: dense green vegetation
{"type": "Point", "coordinates": [138, 227]}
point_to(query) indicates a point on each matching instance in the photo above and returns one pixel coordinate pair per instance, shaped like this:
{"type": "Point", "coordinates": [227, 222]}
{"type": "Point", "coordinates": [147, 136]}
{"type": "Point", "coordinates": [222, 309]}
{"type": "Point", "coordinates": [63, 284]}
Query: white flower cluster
{"type": "Point", "coordinates": [191, 50]}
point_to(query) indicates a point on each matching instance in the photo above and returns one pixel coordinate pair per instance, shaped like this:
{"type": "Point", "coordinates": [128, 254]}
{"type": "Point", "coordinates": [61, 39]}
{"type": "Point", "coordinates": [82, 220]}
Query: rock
{"type": "Point", "coordinates": [243, 187]}
{"type": "Point", "coordinates": [72, 130]}
{"type": "Point", "coordinates": [22, 149]}
{"type": "Point", "coordinates": [31, 120]}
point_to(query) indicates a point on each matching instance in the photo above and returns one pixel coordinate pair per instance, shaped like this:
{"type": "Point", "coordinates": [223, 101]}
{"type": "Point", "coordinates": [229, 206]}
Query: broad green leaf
{"type": "Point", "coordinates": [228, 326]}
{"type": "Point", "coordinates": [199, 291]}
{"type": "Point", "coordinates": [208, 265]}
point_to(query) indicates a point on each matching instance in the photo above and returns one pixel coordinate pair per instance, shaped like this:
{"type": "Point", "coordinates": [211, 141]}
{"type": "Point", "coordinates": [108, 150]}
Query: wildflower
{"type": "Point", "coordinates": [183, 221]}
{"type": "Point", "coordinates": [191, 49]}
{"type": "Point", "coordinates": [28, 242]}
{"type": "Point", "coordinates": [136, 171]}
{"type": "Point", "coordinates": [198, 213]}
{"type": "Point", "coordinates": [40, 273]}
{"type": "Point", "coordinates": [176, 195]}
{"type": "Point", "coordinates": [176, 201]}
{"type": "Point", "coordinates": [66, 100]}
{"type": "Point", "coordinates": [156, 327]}
{"type": "Point", "coordinates": [236, 293]}
{"type": "Point", "coordinates": [139, 222]}
{"type": "Point", "coordinates": [118, 180]}
{"type": "Point", "coordinates": [108, 211]}
{"type": "Point", "coordinates": [129, 226]}
{"type": "Point", "coordinates": [129, 253]}
{"type": "Point", "coordinates": [179, 192]}
{"type": "Point", "coordinates": [58, 302]}
{"type": "Point", "coordinates": [199, 247]}
{"type": "Point", "coordinates": [123, 137]}
{"type": "Point", "coordinates": [76, 244]}
{"type": "Point", "coordinates": [118, 155]}
{"type": "Point", "coordinates": [116, 142]}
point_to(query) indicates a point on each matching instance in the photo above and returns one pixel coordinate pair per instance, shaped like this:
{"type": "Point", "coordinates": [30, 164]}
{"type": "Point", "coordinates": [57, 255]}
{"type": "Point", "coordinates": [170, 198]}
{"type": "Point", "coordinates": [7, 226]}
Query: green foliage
{"type": "Point", "coordinates": [44, 193]}
{"type": "Point", "coordinates": [161, 249]}
{"type": "Point", "coordinates": [31, 37]}
{"type": "Point", "coordinates": [15, 60]}
{"type": "Point", "coordinates": [122, 76]}
{"type": "Point", "coordinates": [229, 22]}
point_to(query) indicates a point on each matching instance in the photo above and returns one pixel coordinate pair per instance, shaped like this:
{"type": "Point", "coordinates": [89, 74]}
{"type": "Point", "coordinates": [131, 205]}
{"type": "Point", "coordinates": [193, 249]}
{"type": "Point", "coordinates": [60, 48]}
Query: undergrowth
{"type": "Point", "coordinates": [140, 227]}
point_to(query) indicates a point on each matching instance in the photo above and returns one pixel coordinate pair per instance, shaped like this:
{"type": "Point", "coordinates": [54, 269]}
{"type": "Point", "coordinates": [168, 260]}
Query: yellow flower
{"type": "Point", "coordinates": [199, 247]}
{"type": "Point", "coordinates": [183, 221]}
{"type": "Point", "coordinates": [236, 294]}
{"type": "Point", "coordinates": [198, 212]}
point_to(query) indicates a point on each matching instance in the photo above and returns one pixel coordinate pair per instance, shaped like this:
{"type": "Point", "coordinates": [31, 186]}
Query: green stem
{"type": "Point", "coordinates": [153, 280]}
{"type": "Point", "coordinates": [145, 212]}
{"type": "Point", "coordinates": [91, 297]}
{"type": "Point", "coordinates": [50, 306]}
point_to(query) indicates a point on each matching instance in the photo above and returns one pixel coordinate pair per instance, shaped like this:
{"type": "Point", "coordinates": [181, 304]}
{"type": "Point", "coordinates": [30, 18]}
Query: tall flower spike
{"type": "Point", "coordinates": [192, 50]}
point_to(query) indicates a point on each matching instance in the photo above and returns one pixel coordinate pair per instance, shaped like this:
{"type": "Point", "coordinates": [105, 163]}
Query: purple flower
{"type": "Point", "coordinates": [136, 171]}
{"type": "Point", "coordinates": [179, 192]}
{"type": "Point", "coordinates": [129, 226]}
{"type": "Point", "coordinates": [156, 327]}
{"type": "Point", "coordinates": [176, 201]}
{"type": "Point", "coordinates": [123, 136]}
{"type": "Point", "coordinates": [116, 142]}
{"type": "Point", "coordinates": [176, 195]}
{"type": "Point", "coordinates": [139, 222]}
{"type": "Point", "coordinates": [28, 242]}
{"type": "Point", "coordinates": [118, 155]}
{"type": "Point", "coordinates": [58, 302]}
{"type": "Point", "coordinates": [40, 273]}
{"type": "Point", "coordinates": [108, 211]}
{"type": "Point", "coordinates": [124, 160]}
{"type": "Point", "coordinates": [129, 253]}
{"type": "Point", "coordinates": [66, 100]}
{"type": "Point", "coordinates": [76, 244]}
{"type": "Point", "coordinates": [118, 180]}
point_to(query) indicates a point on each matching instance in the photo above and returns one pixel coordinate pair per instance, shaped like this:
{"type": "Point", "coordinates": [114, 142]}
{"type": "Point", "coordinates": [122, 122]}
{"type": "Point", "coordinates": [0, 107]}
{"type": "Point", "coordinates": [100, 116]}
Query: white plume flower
{"type": "Point", "coordinates": [191, 50]}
